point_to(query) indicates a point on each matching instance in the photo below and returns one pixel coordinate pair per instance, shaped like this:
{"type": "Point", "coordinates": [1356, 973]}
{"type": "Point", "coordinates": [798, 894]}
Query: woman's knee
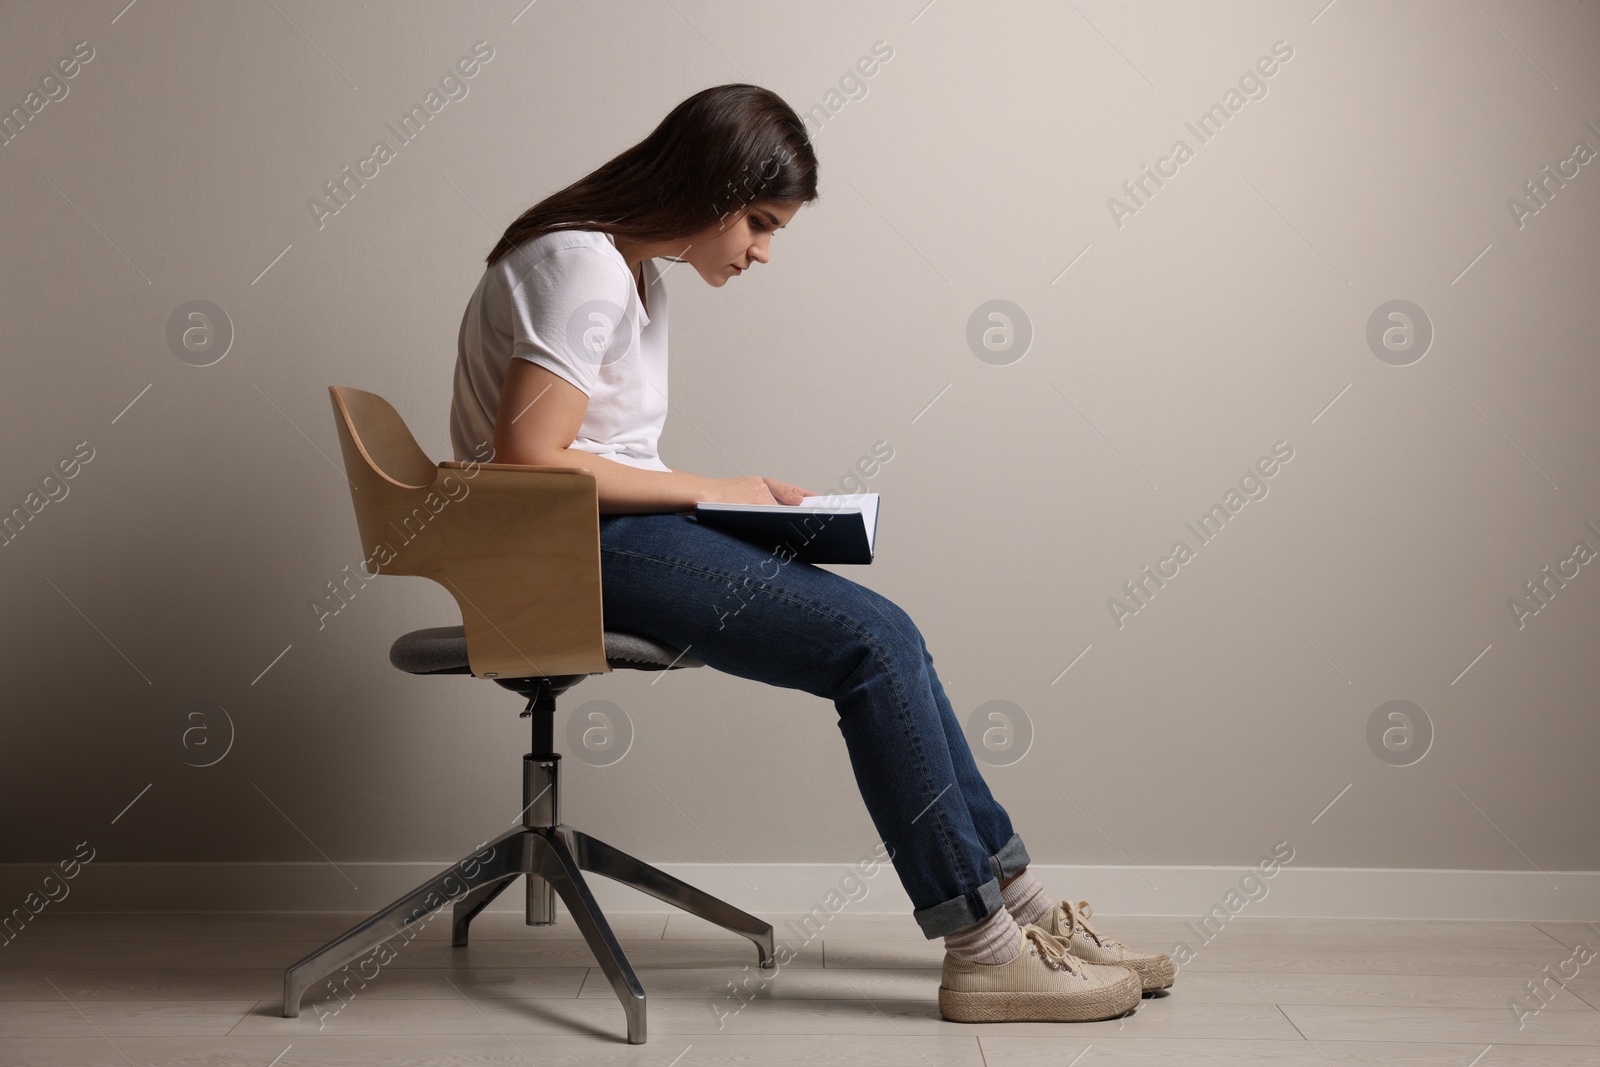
{"type": "Point", "coordinates": [883, 640]}
{"type": "Point", "coordinates": [888, 621]}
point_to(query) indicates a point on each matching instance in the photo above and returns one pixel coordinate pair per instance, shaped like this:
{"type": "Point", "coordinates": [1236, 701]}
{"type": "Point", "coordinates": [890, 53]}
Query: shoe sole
{"type": "Point", "coordinates": [1106, 1002]}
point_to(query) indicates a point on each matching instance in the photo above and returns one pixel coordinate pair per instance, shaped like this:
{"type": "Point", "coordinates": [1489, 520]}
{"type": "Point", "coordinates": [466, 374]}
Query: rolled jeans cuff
{"type": "Point", "coordinates": [1010, 860]}
{"type": "Point", "coordinates": [963, 911]}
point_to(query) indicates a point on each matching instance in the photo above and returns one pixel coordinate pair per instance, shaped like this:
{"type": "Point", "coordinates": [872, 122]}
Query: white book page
{"type": "Point", "coordinates": [866, 503]}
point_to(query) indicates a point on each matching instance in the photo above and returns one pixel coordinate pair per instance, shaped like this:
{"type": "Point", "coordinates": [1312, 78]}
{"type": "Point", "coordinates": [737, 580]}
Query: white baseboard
{"type": "Point", "coordinates": [1297, 892]}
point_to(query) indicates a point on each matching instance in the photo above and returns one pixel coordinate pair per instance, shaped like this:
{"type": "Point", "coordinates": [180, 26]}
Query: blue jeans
{"type": "Point", "coordinates": [741, 609]}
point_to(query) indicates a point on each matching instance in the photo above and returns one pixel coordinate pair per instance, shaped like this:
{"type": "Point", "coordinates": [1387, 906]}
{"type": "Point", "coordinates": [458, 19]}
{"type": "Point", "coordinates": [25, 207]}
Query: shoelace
{"type": "Point", "coordinates": [1052, 949]}
{"type": "Point", "coordinates": [1077, 918]}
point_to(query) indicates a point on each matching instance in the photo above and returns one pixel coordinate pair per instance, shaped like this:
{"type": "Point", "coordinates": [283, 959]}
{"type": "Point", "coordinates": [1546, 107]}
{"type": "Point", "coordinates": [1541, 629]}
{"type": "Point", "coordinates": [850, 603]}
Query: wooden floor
{"type": "Point", "coordinates": [116, 989]}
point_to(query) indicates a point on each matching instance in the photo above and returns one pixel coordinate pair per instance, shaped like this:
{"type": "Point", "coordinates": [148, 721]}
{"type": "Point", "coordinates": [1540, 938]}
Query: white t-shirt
{"type": "Point", "coordinates": [568, 302]}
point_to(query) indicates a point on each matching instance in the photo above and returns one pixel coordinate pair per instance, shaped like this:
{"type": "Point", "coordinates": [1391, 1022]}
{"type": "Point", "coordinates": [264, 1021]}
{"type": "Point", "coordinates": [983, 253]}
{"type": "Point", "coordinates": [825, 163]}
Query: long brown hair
{"type": "Point", "coordinates": [715, 154]}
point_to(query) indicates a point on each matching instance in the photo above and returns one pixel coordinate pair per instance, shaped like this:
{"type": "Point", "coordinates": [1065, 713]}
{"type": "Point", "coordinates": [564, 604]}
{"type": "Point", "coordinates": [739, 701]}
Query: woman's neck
{"type": "Point", "coordinates": [635, 255]}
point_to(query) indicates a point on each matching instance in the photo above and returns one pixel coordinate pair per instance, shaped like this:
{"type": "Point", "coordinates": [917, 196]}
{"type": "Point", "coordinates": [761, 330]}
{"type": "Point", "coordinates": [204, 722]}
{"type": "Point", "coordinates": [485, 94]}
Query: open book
{"type": "Point", "coordinates": [839, 528]}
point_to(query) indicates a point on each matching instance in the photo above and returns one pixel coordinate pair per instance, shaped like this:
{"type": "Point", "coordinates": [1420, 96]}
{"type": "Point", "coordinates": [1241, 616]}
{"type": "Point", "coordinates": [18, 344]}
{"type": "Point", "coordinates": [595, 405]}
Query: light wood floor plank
{"type": "Point", "coordinates": [369, 1017]}
{"type": "Point", "coordinates": [1570, 934]}
{"type": "Point", "coordinates": [175, 990]}
{"type": "Point", "coordinates": [798, 927]}
{"type": "Point", "coordinates": [42, 1019]}
{"type": "Point", "coordinates": [1005, 1051]}
{"type": "Point", "coordinates": [1399, 990]}
{"type": "Point", "coordinates": [24, 985]}
{"type": "Point", "coordinates": [1587, 988]}
{"type": "Point", "coordinates": [1497, 1026]}
{"type": "Point", "coordinates": [1523, 962]}
{"type": "Point", "coordinates": [318, 926]}
{"type": "Point", "coordinates": [417, 983]}
{"type": "Point", "coordinates": [413, 1051]}
{"type": "Point", "coordinates": [162, 955]}
{"type": "Point", "coordinates": [59, 1052]}
{"type": "Point", "coordinates": [164, 1018]}
{"type": "Point", "coordinates": [808, 1050]}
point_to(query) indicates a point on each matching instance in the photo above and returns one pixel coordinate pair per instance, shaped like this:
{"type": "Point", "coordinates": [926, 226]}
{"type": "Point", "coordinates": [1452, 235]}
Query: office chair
{"type": "Point", "coordinates": [519, 549]}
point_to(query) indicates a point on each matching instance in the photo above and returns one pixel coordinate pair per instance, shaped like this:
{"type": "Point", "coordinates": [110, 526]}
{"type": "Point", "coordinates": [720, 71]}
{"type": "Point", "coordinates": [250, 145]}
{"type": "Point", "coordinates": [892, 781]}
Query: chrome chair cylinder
{"type": "Point", "coordinates": [540, 811]}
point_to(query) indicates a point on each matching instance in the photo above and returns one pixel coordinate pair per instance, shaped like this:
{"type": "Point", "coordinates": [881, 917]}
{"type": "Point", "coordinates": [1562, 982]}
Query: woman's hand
{"type": "Point", "coordinates": [784, 493]}
{"type": "Point", "coordinates": [755, 490]}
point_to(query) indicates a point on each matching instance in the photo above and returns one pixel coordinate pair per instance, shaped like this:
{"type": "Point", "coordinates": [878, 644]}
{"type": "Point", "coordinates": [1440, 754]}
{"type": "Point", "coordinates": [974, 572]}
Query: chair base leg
{"type": "Point", "coordinates": [556, 855]}
{"type": "Point", "coordinates": [598, 857]}
{"type": "Point", "coordinates": [467, 908]}
{"type": "Point", "coordinates": [487, 869]}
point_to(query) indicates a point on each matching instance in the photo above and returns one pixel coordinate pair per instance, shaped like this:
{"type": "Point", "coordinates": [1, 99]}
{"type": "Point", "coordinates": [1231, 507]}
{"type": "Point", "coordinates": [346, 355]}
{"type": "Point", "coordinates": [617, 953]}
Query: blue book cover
{"type": "Point", "coordinates": [839, 528]}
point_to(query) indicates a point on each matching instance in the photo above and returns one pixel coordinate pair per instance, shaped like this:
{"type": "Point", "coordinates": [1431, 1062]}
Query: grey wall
{"type": "Point", "coordinates": [1172, 348]}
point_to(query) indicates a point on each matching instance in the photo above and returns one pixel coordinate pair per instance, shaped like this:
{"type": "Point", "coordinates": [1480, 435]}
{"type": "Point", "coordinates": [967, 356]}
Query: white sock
{"type": "Point", "coordinates": [995, 940]}
{"type": "Point", "coordinates": [1026, 899]}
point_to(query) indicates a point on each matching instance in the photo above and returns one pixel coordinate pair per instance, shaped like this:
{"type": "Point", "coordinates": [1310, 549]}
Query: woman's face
{"type": "Point", "coordinates": [722, 249]}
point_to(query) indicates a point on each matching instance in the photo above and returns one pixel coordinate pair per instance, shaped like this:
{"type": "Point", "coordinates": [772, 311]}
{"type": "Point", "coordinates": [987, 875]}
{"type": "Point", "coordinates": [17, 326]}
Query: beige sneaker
{"type": "Point", "coordinates": [1043, 984]}
{"type": "Point", "coordinates": [1069, 922]}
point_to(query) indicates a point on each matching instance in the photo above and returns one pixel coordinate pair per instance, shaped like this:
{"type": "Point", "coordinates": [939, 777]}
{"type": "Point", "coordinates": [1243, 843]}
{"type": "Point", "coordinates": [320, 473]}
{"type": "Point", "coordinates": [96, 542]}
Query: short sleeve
{"type": "Point", "coordinates": [570, 311]}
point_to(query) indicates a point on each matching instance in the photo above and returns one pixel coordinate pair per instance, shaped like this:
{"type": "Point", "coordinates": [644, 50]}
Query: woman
{"type": "Point", "coordinates": [563, 362]}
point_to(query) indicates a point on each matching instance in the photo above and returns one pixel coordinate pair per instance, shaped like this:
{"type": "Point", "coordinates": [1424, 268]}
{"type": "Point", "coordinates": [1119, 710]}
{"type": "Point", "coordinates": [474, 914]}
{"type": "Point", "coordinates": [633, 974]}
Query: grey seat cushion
{"type": "Point", "coordinates": [443, 650]}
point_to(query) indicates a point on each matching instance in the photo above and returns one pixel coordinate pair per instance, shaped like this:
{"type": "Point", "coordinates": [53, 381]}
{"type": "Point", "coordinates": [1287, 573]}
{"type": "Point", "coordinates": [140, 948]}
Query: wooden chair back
{"type": "Point", "coordinates": [517, 546]}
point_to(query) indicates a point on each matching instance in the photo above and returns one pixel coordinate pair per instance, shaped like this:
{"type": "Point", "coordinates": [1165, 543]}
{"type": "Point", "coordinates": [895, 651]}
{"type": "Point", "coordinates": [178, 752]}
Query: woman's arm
{"type": "Point", "coordinates": [540, 414]}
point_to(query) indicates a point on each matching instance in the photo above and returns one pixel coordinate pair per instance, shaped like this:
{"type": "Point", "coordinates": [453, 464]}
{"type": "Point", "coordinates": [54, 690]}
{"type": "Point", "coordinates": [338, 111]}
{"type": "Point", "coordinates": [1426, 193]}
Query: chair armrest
{"type": "Point", "coordinates": [461, 465]}
{"type": "Point", "coordinates": [519, 549]}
